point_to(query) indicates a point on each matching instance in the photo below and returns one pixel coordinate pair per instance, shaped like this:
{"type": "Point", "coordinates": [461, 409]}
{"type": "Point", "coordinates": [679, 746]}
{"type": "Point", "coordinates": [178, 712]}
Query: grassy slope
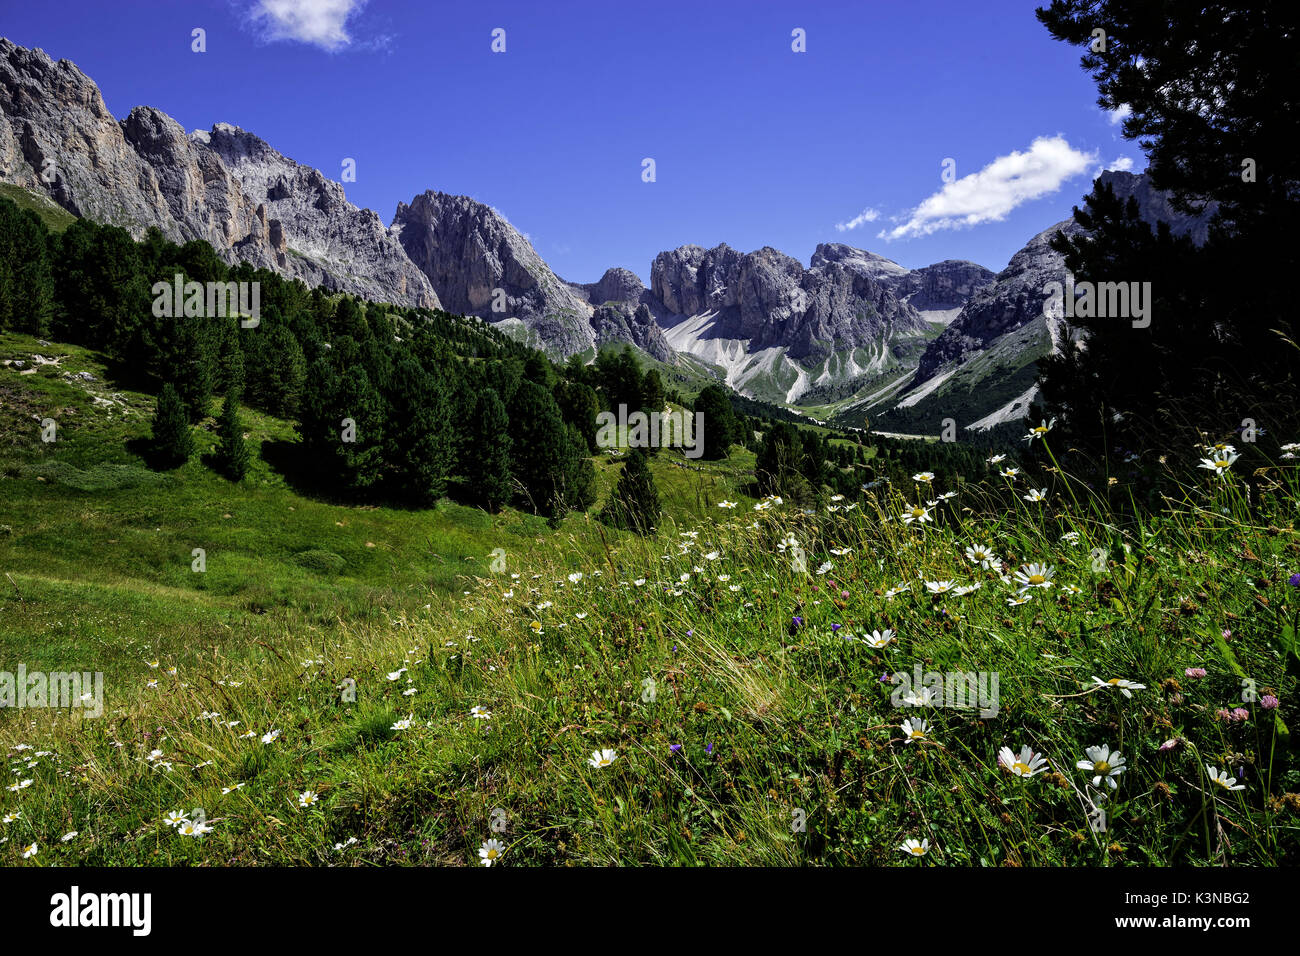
{"type": "Point", "coordinates": [678, 640]}
{"type": "Point", "coordinates": [99, 548]}
{"type": "Point", "coordinates": [55, 217]}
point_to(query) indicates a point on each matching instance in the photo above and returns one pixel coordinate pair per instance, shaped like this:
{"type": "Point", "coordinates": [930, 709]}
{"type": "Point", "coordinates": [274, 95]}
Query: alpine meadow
{"type": "Point", "coordinates": [330, 540]}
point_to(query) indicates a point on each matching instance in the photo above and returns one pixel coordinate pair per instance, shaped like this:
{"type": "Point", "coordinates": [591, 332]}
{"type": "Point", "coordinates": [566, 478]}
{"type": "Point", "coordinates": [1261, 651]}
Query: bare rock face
{"type": "Point", "coordinates": [226, 187]}
{"type": "Point", "coordinates": [624, 310]}
{"type": "Point", "coordinates": [616, 285]}
{"type": "Point", "coordinates": [943, 285]}
{"type": "Point", "coordinates": [312, 231]}
{"type": "Point", "coordinates": [768, 298]}
{"type": "Point", "coordinates": [1013, 299]}
{"type": "Point", "coordinates": [1016, 296]}
{"type": "Point", "coordinates": [690, 280]}
{"type": "Point", "coordinates": [1155, 206]}
{"type": "Point", "coordinates": [612, 322]}
{"type": "Point", "coordinates": [468, 250]}
{"type": "Point", "coordinates": [57, 135]}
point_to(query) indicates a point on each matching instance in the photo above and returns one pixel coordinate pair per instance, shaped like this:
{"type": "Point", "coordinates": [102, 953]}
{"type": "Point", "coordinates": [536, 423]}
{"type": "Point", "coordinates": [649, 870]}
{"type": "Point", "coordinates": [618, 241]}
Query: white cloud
{"type": "Point", "coordinates": [322, 23]}
{"type": "Point", "coordinates": [866, 216]}
{"type": "Point", "coordinates": [1119, 114]}
{"type": "Point", "coordinates": [990, 194]}
{"type": "Point", "coordinates": [1122, 163]}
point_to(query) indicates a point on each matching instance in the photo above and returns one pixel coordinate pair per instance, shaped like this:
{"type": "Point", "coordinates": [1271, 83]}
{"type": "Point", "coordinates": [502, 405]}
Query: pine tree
{"type": "Point", "coordinates": [26, 279]}
{"type": "Point", "coordinates": [232, 451]}
{"type": "Point", "coordinates": [779, 460]}
{"type": "Point", "coordinates": [720, 427]}
{"type": "Point", "coordinates": [539, 448]}
{"type": "Point", "coordinates": [282, 373]}
{"type": "Point", "coordinates": [486, 457]}
{"type": "Point", "coordinates": [230, 360]}
{"type": "Point", "coordinates": [172, 441]}
{"type": "Point", "coordinates": [1220, 344]}
{"type": "Point", "coordinates": [578, 482]}
{"type": "Point", "coordinates": [634, 505]}
{"type": "Point", "coordinates": [358, 447]}
{"type": "Point", "coordinates": [579, 406]}
{"type": "Point", "coordinates": [192, 364]}
{"type": "Point", "coordinates": [418, 451]}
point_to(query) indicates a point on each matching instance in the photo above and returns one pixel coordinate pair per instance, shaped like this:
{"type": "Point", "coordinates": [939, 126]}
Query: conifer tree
{"type": "Point", "coordinates": [634, 504]}
{"type": "Point", "coordinates": [354, 431]}
{"type": "Point", "coordinates": [539, 448]}
{"type": "Point", "coordinates": [232, 451]}
{"type": "Point", "coordinates": [720, 426]}
{"type": "Point", "coordinates": [653, 398]}
{"type": "Point", "coordinates": [486, 456]}
{"type": "Point", "coordinates": [418, 451]}
{"type": "Point", "coordinates": [172, 441]}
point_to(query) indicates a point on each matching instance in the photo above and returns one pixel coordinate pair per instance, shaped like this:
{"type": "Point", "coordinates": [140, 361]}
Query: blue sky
{"type": "Point", "coordinates": [754, 144]}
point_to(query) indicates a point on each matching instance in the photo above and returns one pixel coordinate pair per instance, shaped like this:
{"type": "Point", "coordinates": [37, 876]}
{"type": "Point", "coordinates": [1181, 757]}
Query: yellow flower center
{"type": "Point", "coordinates": [1101, 767]}
{"type": "Point", "coordinates": [918, 851]}
{"type": "Point", "coordinates": [492, 854]}
{"type": "Point", "coordinates": [1036, 579]}
{"type": "Point", "coordinates": [1020, 767]}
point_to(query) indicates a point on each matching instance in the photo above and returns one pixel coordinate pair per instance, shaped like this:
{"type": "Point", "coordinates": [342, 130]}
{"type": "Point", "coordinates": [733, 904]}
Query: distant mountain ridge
{"type": "Point", "coordinates": [853, 328]}
{"type": "Point", "coordinates": [1002, 330]}
{"type": "Point", "coordinates": [225, 186]}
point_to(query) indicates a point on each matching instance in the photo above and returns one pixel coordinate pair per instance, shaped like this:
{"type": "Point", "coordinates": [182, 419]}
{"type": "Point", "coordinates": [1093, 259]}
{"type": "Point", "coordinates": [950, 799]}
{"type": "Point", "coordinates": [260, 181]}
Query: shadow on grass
{"type": "Point", "coordinates": [144, 449]}
{"type": "Point", "coordinates": [300, 473]}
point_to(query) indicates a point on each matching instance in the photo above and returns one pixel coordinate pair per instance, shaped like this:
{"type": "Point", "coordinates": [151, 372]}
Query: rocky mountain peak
{"type": "Point", "coordinates": [468, 250]}
{"type": "Point", "coordinates": [225, 186]}
{"type": "Point", "coordinates": [616, 285]}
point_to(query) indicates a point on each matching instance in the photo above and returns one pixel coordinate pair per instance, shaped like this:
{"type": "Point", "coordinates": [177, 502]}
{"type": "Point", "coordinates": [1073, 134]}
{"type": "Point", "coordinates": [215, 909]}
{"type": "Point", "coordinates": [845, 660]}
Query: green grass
{"type": "Point", "coordinates": [55, 217]}
{"type": "Point", "coordinates": [588, 639]}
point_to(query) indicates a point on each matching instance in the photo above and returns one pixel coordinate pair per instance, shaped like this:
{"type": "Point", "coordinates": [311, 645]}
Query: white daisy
{"type": "Point", "coordinates": [1034, 576]}
{"type": "Point", "coordinates": [490, 852]}
{"type": "Point", "coordinates": [914, 730]}
{"type": "Point", "coordinates": [1026, 764]}
{"type": "Point", "coordinates": [1219, 464]}
{"type": "Point", "coordinates": [1039, 431]}
{"type": "Point", "coordinates": [1104, 765]}
{"type": "Point", "coordinates": [1125, 687]}
{"type": "Point", "coordinates": [1221, 778]}
{"type": "Point", "coordinates": [916, 514]}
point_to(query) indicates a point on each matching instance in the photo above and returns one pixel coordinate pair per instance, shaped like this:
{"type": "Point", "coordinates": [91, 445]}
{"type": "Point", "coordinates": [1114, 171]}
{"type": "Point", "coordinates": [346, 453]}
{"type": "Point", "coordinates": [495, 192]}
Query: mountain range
{"type": "Point", "coordinates": [852, 335]}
